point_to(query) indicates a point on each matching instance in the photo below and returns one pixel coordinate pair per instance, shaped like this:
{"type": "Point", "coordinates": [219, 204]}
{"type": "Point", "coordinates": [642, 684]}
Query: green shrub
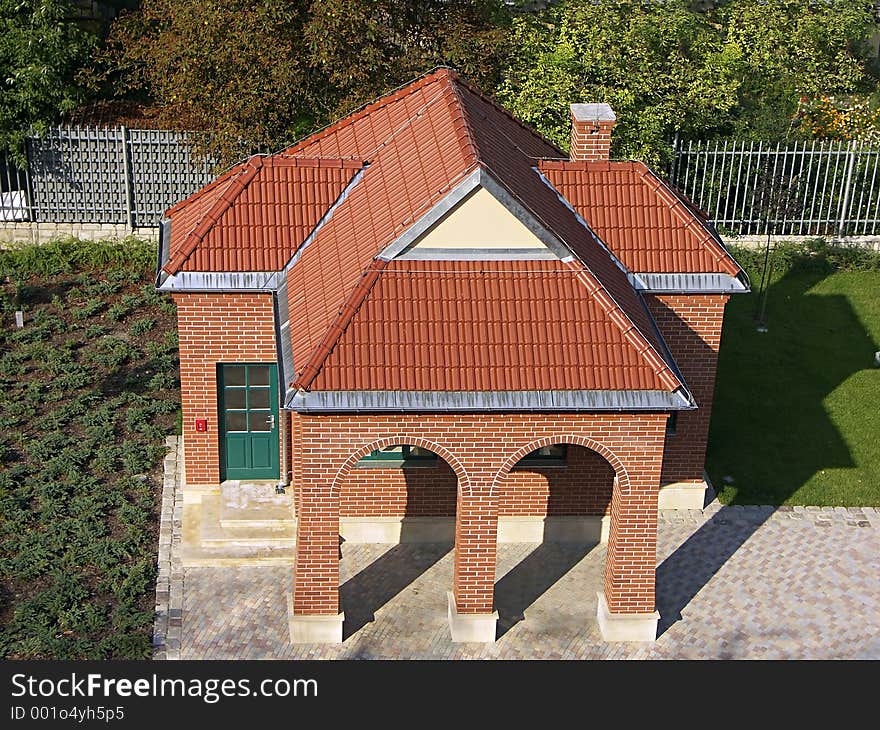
{"type": "Point", "coordinates": [816, 255]}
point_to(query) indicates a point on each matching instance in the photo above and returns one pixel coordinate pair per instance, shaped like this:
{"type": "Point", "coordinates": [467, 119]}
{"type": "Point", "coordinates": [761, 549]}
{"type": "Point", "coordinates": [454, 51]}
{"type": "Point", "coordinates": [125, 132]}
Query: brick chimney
{"type": "Point", "coordinates": [591, 126]}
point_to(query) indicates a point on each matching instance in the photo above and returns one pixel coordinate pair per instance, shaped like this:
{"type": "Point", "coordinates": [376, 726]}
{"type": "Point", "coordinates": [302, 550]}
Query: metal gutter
{"type": "Point", "coordinates": [443, 401]}
{"type": "Point", "coordinates": [689, 283]}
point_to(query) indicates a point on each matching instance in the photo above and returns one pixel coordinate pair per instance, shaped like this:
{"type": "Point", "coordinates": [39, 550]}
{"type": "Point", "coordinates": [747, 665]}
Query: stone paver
{"type": "Point", "coordinates": [732, 582]}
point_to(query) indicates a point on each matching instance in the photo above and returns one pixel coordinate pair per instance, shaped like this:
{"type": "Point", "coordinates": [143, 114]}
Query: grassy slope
{"type": "Point", "coordinates": [88, 390]}
{"type": "Point", "coordinates": [797, 409]}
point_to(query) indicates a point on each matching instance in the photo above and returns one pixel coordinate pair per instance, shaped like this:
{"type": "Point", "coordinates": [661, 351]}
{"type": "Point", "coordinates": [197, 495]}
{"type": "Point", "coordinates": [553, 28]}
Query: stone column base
{"type": "Point", "coordinates": [684, 495]}
{"type": "Point", "coordinates": [471, 626]}
{"type": "Point", "coordinates": [321, 629]}
{"type": "Point", "coordinates": [626, 626]}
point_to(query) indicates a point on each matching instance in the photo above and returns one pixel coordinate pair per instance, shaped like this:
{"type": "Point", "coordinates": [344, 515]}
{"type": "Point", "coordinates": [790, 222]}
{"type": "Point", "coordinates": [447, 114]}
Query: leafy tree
{"type": "Point", "coordinates": [739, 69]}
{"type": "Point", "coordinates": [259, 74]}
{"type": "Point", "coordinates": [235, 68]}
{"type": "Point", "coordinates": [791, 49]}
{"type": "Point", "coordinates": [42, 48]}
{"type": "Point", "coordinates": [365, 47]}
{"type": "Point", "coordinates": [659, 65]}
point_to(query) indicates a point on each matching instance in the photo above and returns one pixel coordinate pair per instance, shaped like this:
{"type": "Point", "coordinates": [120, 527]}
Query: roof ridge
{"type": "Point", "coordinates": [237, 168]}
{"type": "Point", "coordinates": [705, 236]}
{"type": "Point", "coordinates": [468, 128]}
{"type": "Point", "coordinates": [369, 107]}
{"type": "Point", "coordinates": [498, 107]}
{"type": "Point", "coordinates": [337, 328]}
{"type": "Point", "coordinates": [630, 331]}
{"type": "Point", "coordinates": [250, 170]}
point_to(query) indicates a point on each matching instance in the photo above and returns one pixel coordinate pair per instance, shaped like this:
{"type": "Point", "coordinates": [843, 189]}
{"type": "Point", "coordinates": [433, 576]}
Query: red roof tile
{"type": "Point", "coordinates": [255, 216]}
{"type": "Point", "coordinates": [416, 145]}
{"type": "Point", "coordinates": [647, 225]}
{"type": "Point", "coordinates": [483, 326]}
{"type": "Point", "coordinates": [420, 142]}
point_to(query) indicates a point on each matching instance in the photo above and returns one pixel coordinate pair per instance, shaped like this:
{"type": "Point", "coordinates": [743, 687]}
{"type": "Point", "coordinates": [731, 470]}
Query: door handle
{"type": "Point", "coordinates": [271, 421]}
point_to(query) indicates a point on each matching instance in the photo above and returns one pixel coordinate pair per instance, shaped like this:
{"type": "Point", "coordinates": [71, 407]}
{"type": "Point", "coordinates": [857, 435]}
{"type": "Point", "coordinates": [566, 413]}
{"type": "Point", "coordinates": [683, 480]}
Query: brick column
{"type": "Point", "coordinates": [471, 602]}
{"type": "Point", "coordinates": [314, 605]}
{"type": "Point", "coordinates": [626, 607]}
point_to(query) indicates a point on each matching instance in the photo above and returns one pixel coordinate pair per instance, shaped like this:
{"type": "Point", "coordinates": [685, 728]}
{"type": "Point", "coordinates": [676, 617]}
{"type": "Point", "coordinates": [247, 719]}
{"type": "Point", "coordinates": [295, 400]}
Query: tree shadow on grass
{"type": "Point", "coordinates": [771, 431]}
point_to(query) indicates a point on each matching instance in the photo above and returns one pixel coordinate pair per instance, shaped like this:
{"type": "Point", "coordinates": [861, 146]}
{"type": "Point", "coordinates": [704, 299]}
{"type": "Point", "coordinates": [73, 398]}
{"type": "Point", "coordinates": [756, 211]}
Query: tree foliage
{"type": "Point", "coordinates": [41, 51]}
{"type": "Point", "coordinates": [259, 74]}
{"type": "Point", "coordinates": [740, 69]}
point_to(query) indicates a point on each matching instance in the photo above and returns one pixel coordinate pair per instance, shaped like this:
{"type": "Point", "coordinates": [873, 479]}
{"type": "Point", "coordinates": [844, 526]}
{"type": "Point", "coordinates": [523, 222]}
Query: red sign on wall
{"type": "Point", "coordinates": [201, 425]}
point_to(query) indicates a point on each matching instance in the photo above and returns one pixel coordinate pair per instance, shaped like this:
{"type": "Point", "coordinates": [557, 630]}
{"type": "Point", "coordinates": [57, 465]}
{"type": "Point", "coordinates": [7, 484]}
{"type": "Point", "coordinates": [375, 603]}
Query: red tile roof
{"type": "Point", "coordinates": [420, 142]}
{"type": "Point", "coordinates": [484, 326]}
{"type": "Point", "coordinates": [647, 225]}
{"type": "Point", "coordinates": [255, 216]}
{"type": "Point", "coordinates": [414, 146]}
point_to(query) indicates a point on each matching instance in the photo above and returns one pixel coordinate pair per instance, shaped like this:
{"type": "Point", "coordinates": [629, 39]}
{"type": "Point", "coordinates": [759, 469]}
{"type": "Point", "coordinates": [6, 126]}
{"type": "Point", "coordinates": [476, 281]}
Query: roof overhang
{"type": "Point", "coordinates": [689, 283]}
{"type": "Point", "coordinates": [348, 401]}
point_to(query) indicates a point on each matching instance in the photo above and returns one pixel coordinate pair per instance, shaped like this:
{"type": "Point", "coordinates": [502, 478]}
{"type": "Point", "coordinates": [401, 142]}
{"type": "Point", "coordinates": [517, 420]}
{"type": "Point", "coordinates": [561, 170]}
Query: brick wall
{"type": "Point", "coordinates": [423, 491]}
{"type": "Point", "coordinates": [216, 328]}
{"type": "Point", "coordinates": [581, 487]}
{"type": "Point", "coordinates": [691, 326]}
{"type": "Point", "coordinates": [480, 449]}
{"type": "Point", "coordinates": [590, 140]}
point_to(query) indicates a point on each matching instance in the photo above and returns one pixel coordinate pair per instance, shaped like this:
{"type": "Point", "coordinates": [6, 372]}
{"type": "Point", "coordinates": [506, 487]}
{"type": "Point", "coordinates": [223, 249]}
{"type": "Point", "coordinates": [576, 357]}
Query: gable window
{"type": "Point", "coordinates": [554, 455]}
{"type": "Point", "coordinates": [399, 455]}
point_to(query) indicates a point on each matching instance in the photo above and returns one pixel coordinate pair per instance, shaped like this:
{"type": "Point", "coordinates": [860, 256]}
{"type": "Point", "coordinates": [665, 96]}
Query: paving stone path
{"type": "Point", "coordinates": [732, 582]}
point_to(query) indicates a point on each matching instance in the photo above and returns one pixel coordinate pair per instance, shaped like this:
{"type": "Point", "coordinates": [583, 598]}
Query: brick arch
{"type": "Point", "coordinates": [565, 438]}
{"type": "Point", "coordinates": [464, 483]}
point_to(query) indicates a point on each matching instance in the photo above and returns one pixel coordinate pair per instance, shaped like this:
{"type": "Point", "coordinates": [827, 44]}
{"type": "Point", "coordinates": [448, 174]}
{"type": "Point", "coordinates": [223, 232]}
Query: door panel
{"type": "Point", "coordinates": [249, 421]}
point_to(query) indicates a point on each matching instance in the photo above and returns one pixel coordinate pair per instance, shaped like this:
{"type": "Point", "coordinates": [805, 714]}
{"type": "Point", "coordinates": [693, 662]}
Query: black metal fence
{"type": "Point", "coordinates": [131, 176]}
{"type": "Point", "coordinates": [100, 175]}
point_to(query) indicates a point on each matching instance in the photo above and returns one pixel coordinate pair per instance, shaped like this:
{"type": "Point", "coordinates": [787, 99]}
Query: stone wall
{"type": "Point", "coordinates": [24, 232]}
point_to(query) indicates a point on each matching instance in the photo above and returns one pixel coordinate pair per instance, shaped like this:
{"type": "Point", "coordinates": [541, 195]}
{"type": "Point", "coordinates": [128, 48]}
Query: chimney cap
{"type": "Point", "coordinates": [593, 113]}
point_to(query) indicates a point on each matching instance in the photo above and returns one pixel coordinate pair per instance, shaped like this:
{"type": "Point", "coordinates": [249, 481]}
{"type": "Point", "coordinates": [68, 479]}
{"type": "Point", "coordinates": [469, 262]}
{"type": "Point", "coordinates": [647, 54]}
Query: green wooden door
{"type": "Point", "coordinates": [249, 421]}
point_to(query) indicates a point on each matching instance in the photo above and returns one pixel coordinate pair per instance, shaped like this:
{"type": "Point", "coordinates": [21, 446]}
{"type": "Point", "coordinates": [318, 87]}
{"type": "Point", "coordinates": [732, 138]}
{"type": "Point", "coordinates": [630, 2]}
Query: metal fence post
{"type": "Point", "coordinates": [847, 189]}
{"type": "Point", "coordinates": [127, 181]}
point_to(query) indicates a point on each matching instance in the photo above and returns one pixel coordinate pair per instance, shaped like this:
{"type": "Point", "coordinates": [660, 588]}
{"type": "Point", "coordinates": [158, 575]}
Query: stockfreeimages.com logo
{"type": "Point", "coordinates": [209, 690]}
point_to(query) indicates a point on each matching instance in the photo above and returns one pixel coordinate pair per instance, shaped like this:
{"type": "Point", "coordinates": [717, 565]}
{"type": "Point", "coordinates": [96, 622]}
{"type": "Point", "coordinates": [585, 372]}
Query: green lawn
{"type": "Point", "coordinates": [88, 391]}
{"type": "Point", "coordinates": [797, 409]}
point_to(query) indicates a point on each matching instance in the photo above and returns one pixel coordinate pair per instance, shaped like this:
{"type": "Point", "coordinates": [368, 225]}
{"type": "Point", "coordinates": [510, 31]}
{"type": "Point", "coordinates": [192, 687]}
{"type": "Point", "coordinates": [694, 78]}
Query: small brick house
{"type": "Point", "coordinates": [430, 323]}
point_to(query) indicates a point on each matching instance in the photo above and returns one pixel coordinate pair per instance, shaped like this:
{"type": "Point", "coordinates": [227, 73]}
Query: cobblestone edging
{"type": "Point", "coordinates": [756, 514]}
{"type": "Point", "coordinates": [168, 622]}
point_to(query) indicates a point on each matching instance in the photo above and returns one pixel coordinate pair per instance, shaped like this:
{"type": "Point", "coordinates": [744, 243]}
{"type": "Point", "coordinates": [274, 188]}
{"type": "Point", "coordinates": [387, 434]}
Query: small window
{"type": "Point", "coordinates": [671, 424]}
{"type": "Point", "coordinates": [546, 456]}
{"type": "Point", "coordinates": [400, 453]}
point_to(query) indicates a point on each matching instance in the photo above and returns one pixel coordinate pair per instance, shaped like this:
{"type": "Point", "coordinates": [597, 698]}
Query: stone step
{"type": "Point", "coordinates": [256, 504]}
{"type": "Point", "coordinates": [215, 531]}
{"type": "Point", "coordinates": [230, 555]}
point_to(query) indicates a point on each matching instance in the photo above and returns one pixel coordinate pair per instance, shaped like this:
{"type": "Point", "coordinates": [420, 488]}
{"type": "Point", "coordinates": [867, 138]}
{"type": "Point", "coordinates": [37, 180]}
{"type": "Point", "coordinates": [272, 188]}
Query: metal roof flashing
{"type": "Point", "coordinates": [350, 401]}
{"type": "Point", "coordinates": [654, 283]}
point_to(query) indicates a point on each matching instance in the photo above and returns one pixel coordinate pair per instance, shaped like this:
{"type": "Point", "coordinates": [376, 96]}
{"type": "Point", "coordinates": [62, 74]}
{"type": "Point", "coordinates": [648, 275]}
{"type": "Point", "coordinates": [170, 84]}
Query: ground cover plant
{"type": "Point", "coordinates": [796, 417]}
{"type": "Point", "coordinates": [88, 391]}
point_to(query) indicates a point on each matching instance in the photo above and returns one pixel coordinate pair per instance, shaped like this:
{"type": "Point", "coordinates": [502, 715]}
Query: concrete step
{"type": "Point", "coordinates": [256, 504]}
{"type": "Point", "coordinates": [236, 555]}
{"type": "Point", "coordinates": [215, 531]}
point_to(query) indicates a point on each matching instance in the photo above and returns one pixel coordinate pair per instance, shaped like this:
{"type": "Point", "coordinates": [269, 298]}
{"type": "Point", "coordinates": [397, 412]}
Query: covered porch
{"type": "Point", "coordinates": [479, 498]}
